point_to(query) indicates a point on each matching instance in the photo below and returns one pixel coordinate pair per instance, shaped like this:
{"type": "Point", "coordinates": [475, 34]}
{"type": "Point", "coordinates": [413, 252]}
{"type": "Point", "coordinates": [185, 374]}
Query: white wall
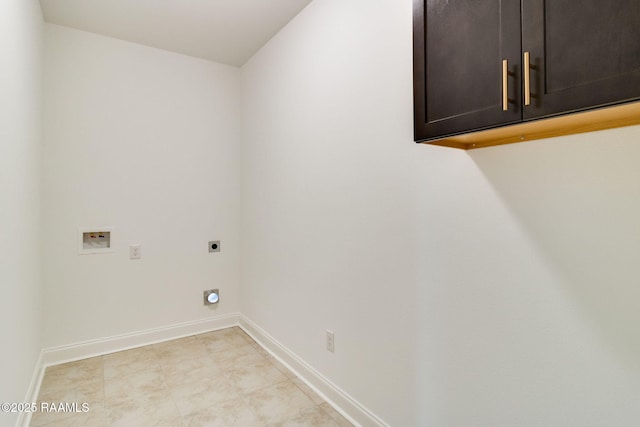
{"type": "Point", "coordinates": [20, 173]}
{"type": "Point", "coordinates": [146, 141]}
{"type": "Point", "coordinates": [491, 288]}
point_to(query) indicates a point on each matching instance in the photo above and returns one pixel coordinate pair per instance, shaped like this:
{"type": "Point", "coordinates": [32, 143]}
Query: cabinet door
{"type": "Point", "coordinates": [459, 48]}
{"type": "Point", "coordinates": [584, 54]}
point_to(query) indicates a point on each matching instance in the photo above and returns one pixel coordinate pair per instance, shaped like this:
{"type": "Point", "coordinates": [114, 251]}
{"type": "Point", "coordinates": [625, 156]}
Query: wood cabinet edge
{"type": "Point", "coordinates": [568, 124]}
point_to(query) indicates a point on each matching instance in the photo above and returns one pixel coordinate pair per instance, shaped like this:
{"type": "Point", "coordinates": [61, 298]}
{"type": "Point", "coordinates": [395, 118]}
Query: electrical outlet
{"type": "Point", "coordinates": [330, 341]}
{"type": "Point", "coordinates": [214, 246]}
{"type": "Point", "coordinates": [135, 252]}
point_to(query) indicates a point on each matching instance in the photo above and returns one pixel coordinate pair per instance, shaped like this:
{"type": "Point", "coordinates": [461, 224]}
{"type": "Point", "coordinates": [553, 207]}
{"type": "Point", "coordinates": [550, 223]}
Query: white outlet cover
{"type": "Point", "coordinates": [135, 251]}
{"type": "Point", "coordinates": [330, 341]}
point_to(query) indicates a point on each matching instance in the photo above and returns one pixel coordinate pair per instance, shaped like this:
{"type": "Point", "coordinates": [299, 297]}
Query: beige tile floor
{"type": "Point", "coordinates": [220, 378]}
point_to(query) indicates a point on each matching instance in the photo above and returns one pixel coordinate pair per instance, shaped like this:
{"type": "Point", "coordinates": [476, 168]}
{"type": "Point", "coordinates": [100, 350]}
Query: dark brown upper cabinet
{"type": "Point", "coordinates": [486, 71]}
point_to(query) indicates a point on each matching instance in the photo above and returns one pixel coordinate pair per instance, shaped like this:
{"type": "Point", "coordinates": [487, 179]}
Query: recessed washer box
{"type": "Point", "coordinates": [95, 240]}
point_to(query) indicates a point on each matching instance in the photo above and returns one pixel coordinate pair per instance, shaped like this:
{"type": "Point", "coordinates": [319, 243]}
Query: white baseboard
{"type": "Point", "coordinates": [356, 413]}
{"type": "Point", "coordinates": [99, 347]}
{"type": "Point", "coordinates": [24, 418]}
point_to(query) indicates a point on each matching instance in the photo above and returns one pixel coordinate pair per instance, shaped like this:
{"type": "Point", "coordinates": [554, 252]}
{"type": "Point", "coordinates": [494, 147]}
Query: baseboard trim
{"type": "Point", "coordinates": [350, 408]}
{"type": "Point", "coordinates": [99, 347]}
{"type": "Point", "coordinates": [24, 418]}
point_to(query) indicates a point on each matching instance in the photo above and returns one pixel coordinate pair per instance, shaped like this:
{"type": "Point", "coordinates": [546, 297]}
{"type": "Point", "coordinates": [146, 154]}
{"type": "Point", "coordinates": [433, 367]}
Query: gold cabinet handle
{"type": "Point", "coordinates": [527, 79]}
{"type": "Point", "coordinates": [505, 85]}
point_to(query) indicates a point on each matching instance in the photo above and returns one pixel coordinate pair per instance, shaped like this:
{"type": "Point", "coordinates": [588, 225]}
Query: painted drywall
{"type": "Point", "coordinates": [488, 288]}
{"type": "Point", "coordinates": [20, 176]}
{"type": "Point", "coordinates": [145, 141]}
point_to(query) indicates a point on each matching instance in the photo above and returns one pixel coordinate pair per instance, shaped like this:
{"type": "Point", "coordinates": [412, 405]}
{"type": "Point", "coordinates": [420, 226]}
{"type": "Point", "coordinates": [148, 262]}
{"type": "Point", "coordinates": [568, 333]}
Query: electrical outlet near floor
{"type": "Point", "coordinates": [330, 340]}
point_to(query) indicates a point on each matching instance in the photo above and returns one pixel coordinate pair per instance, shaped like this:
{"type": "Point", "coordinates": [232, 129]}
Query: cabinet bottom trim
{"type": "Point", "coordinates": [581, 122]}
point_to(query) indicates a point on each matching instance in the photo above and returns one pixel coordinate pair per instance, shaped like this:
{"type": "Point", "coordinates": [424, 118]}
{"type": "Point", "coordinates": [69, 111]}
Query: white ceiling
{"type": "Point", "coordinates": [227, 31]}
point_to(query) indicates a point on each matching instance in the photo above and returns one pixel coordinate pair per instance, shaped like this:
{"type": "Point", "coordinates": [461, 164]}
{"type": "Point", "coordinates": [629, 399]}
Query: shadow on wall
{"type": "Point", "coordinates": [578, 198]}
